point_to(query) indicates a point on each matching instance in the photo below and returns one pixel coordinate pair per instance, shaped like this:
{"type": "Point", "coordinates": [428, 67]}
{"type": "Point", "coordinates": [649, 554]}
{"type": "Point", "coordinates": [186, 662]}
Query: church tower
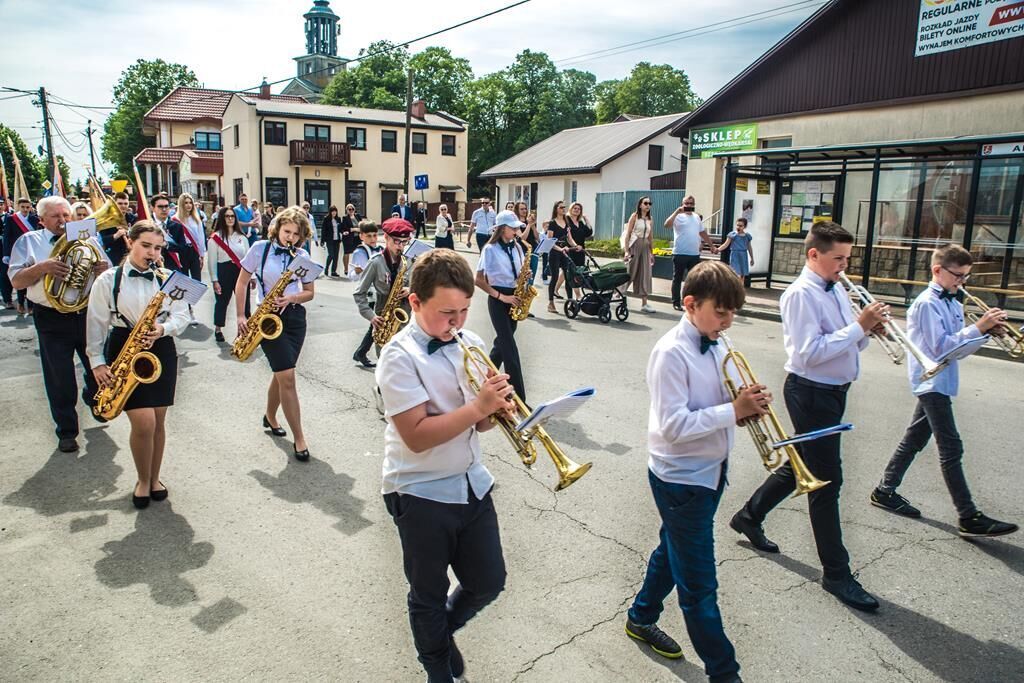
{"type": "Point", "coordinates": [318, 66]}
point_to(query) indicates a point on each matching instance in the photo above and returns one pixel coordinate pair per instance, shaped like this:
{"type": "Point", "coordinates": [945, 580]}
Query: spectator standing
{"type": "Point", "coordinates": [688, 228]}
{"type": "Point", "coordinates": [443, 229]}
{"type": "Point", "coordinates": [482, 225]}
{"type": "Point", "coordinates": [638, 247]}
{"type": "Point", "coordinates": [330, 237]}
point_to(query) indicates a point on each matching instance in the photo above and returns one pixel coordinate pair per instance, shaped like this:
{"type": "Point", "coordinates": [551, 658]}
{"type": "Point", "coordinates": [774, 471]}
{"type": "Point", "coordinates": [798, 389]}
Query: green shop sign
{"type": "Point", "coordinates": [706, 141]}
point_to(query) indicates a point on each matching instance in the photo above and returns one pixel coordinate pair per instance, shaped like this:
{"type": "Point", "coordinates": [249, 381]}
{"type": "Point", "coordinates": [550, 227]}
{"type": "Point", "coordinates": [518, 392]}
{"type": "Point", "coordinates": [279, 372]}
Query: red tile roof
{"type": "Point", "coordinates": [195, 104]}
{"type": "Point", "coordinates": [203, 161]}
{"type": "Point", "coordinates": [159, 155]}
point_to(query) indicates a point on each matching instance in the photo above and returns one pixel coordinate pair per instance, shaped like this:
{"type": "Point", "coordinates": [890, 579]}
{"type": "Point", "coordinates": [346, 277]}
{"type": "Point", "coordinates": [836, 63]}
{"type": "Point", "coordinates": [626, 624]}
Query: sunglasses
{"type": "Point", "coordinates": [645, 203]}
{"type": "Point", "coordinates": [161, 206]}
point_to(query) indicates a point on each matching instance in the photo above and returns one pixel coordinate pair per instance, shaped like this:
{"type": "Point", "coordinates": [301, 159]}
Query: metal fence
{"type": "Point", "coordinates": [615, 208]}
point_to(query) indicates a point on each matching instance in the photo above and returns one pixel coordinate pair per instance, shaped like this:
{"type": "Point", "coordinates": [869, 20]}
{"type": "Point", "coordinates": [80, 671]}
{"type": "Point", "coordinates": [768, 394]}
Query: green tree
{"type": "Point", "coordinates": [489, 110]}
{"type": "Point", "coordinates": [31, 167]}
{"type": "Point", "coordinates": [377, 81]}
{"type": "Point", "coordinates": [141, 86]}
{"type": "Point", "coordinates": [650, 90]}
{"type": "Point", "coordinates": [440, 79]}
{"type": "Point", "coordinates": [605, 108]}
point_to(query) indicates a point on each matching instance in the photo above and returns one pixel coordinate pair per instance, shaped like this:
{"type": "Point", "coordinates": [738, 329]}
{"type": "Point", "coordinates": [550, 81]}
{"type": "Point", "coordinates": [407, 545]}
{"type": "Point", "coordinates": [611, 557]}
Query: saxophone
{"type": "Point", "coordinates": [524, 290]}
{"type": "Point", "coordinates": [264, 323]}
{"type": "Point", "coordinates": [133, 365]}
{"type": "Point", "coordinates": [392, 314]}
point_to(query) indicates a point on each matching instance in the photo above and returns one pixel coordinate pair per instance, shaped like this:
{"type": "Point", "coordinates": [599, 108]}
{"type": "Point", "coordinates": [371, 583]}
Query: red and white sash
{"type": "Point", "coordinates": [223, 245]}
{"type": "Point", "coordinates": [22, 223]}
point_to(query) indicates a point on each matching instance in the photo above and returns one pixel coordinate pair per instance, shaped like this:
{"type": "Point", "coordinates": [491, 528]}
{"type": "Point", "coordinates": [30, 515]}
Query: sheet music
{"type": "Point", "coordinates": [816, 434]}
{"type": "Point", "coordinates": [545, 245]}
{"type": "Point", "coordinates": [180, 286]}
{"type": "Point", "coordinates": [559, 407]}
{"type": "Point", "coordinates": [963, 349]}
{"type": "Point", "coordinates": [417, 248]}
{"type": "Point", "coordinates": [75, 229]}
{"type": "Point", "coordinates": [305, 269]}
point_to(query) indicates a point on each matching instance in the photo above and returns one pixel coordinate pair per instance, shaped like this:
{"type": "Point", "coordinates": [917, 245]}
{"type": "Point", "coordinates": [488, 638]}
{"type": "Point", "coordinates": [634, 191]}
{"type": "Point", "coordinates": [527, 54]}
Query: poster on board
{"type": "Point", "coordinates": [943, 26]}
{"type": "Point", "coordinates": [757, 208]}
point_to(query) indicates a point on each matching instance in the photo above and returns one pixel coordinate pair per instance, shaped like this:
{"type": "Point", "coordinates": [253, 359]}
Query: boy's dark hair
{"type": "Point", "coordinates": [157, 197]}
{"type": "Point", "coordinates": [441, 268]}
{"type": "Point", "coordinates": [826, 234]}
{"type": "Point", "coordinates": [741, 218]}
{"type": "Point", "coordinates": [121, 195]}
{"type": "Point", "coordinates": [951, 255]}
{"type": "Point", "coordinates": [716, 281]}
{"type": "Point", "coordinates": [366, 225]}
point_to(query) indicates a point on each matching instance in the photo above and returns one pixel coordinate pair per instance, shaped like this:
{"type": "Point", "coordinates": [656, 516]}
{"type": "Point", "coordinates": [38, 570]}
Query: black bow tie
{"type": "Point", "coordinates": [706, 343]}
{"type": "Point", "coordinates": [509, 246]}
{"type": "Point", "coordinates": [435, 344]}
{"type": "Point", "coordinates": [148, 274]}
{"type": "Point", "coordinates": [54, 238]}
{"type": "Point", "coordinates": [949, 296]}
{"type": "Point", "coordinates": [282, 250]}
{"type": "Point", "coordinates": [829, 286]}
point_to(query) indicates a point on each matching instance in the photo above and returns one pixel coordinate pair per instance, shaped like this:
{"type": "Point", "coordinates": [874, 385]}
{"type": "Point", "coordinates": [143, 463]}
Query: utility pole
{"type": "Point", "coordinates": [92, 154]}
{"type": "Point", "coordinates": [408, 130]}
{"type": "Point", "coordinates": [46, 132]}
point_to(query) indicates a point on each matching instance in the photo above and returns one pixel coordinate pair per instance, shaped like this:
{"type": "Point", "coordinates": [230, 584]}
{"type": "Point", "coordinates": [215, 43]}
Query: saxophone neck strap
{"type": "Point", "coordinates": [118, 278]}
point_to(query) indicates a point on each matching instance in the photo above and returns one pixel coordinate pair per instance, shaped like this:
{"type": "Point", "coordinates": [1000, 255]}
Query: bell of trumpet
{"type": "Point", "coordinates": [1013, 341]}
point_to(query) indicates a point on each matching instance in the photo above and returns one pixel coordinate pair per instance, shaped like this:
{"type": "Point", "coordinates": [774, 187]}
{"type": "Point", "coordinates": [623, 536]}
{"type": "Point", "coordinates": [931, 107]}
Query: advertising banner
{"type": "Point", "coordinates": [944, 25]}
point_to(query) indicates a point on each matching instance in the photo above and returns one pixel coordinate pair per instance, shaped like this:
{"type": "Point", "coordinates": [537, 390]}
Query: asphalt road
{"type": "Point", "coordinates": [263, 568]}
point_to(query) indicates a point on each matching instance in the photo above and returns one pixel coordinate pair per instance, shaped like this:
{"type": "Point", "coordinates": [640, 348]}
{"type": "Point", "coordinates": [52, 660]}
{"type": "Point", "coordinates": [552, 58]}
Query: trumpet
{"type": "Point", "coordinates": [894, 341]}
{"type": "Point", "coordinates": [476, 363]}
{"type": "Point", "coordinates": [766, 430]}
{"type": "Point", "coordinates": [1012, 343]}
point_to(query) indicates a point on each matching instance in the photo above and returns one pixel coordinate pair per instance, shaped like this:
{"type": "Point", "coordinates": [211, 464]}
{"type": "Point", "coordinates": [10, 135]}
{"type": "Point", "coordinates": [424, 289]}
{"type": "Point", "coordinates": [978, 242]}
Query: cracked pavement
{"type": "Point", "coordinates": [262, 568]}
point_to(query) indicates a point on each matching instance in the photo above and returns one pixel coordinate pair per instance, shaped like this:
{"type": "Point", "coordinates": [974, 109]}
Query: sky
{"type": "Point", "coordinates": [234, 45]}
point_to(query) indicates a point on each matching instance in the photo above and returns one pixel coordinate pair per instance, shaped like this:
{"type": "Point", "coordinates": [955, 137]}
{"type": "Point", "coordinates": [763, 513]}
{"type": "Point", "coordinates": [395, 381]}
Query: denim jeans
{"type": "Point", "coordinates": [933, 415]}
{"type": "Point", "coordinates": [685, 560]}
{"type": "Point", "coordinates": [533, 267]}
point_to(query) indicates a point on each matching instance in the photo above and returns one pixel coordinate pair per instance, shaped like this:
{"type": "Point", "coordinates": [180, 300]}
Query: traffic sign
{"type": "Point", "coordinates": [47, 185]}
{"type": "Point", "coordinates": [421, 182]}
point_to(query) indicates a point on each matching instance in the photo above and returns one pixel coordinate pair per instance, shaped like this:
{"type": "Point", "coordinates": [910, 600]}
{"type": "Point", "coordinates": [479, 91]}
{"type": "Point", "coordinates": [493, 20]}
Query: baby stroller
{"type": "Point", "coordinates": [603, 283]}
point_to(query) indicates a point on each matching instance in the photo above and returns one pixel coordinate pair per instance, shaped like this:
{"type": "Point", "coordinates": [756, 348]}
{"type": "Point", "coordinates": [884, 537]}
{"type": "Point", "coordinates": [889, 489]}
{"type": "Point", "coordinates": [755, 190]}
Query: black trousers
{"type": "Point", "coordinates": [6, 289]}
{"type": "Point", "coordinates": [556, 264]}
{"type": "Point", "coordinates": [504, 349]}
{"type": "Point", "coordinates": [681, 265]}
{"type": "Point", "coordinates": [61, 337]}
{"type": "Point", "coordinates": [812, 408]}
{"type": "Point", "coordinates": [190, 265]}
{"type": "Point", "coordinates": [332, 258]}
{"type": "Point", "coordinates": [435, 536]}
{"type": "Point", "coordinates": [366, 343]}
{"type": "Point", "coordinates": [227, 276]}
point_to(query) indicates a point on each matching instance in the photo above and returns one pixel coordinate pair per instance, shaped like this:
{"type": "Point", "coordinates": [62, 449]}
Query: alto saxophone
{"type": "Point", "coordinates": [524, 290]}
{"type": "Point", "coordinates": [134, 365]}
{"type": "Point", "coordinates": [392, 315]}
{"type": "Point", "coordinates": [264, 323]}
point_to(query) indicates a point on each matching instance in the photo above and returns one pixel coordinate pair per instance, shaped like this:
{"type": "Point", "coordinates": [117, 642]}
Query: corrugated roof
{"type": "Point", "coordinates": [193, 104]}
{"type": "Point", "coordinates": [330, 112]}
{"type": "Point", "coordinates": [582, 149]}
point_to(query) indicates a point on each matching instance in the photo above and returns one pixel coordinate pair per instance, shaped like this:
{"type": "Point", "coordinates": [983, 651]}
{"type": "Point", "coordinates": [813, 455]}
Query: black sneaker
{"type": "Point", "coordinates": [68, 444]}
{"type": "Point", "coordinates": [219, 336]}
{"type": "Point", "coordinates": [659, 641]}
{"type": "Point", "coordinates": [457, 663]}
{"type": "Point", "coordinates": [363, 360]}
{"type": "Point", "coordinates": [978, 525]}
{"type": "Point", "coordinates": [893, 502]}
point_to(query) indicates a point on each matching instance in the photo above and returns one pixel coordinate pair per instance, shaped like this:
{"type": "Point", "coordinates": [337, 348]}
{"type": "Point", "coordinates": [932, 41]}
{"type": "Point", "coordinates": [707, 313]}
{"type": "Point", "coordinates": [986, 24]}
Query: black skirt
{"type": "Point", "coordinates": [160, 393]}
{"type": "Point", "coordinates": [444, 242]}
{"type": "Point", "coordinates": [349, 242]}
{"type": "Point", "coordinates": [283, 353]}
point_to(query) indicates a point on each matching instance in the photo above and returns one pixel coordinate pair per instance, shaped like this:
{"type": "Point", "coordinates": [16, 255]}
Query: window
{"type": "Point", "coordinates": [235, 128]}
{"type": "Point", "coordinates": [655, 157]}
{"type": "Point", "coordinates": [274, 133]}
{"type": "Point", "coordinates": [356, 138]}
{"type": "Point", "coordinates": [318, 133]}
{"type": "Point", "coordinates": [277, 191]}
{"type": "Point", "coordinates": [448, 145]}
{"type": "Point", "coordinates": [208, 141]}
{"type": "Point", "coordinates": [419, 143]}
{"type": "Point", "coordinates": [572, 192]}
{"type": "Point", "coordinates": [777, 143]}
{"type": "Point", "coordinates": [523, 193]}
{"type": "Point", "coordinates": [389, 141]}
{"type": "Point", "coordinates": [238, 188]}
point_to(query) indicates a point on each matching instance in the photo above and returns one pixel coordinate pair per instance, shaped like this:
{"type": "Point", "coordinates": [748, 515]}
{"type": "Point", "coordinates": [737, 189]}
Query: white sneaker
{"type": "Point", "coordinates": [647, 308]}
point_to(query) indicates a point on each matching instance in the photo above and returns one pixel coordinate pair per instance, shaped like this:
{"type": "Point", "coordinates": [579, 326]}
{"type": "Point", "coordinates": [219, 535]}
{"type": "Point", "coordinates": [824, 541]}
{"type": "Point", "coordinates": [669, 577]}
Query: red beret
{"type": "Point", "coordinates": [397, 227]}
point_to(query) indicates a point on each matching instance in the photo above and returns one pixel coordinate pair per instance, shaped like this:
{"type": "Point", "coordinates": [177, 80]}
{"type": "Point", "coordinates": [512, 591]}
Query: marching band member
{"type": "Point", "coordinates": [267, 260]}
{"type": "Point", "coordinates": [497, 271]}
{"type": "Point", "coordinates": [360, 258]}
{"type": "Point", "coordinates": [17, 224]}
{"type": "Point", "coordinates": [160, 214]}
{"type": "Point", "coordinates": [690, 433]}
{"type": "Point", "coordinates": [228, 246]}
{"type": "Point", "coordinates": [381, 271]}
{"type": "Point", "coordinates": [822, 342]}
{"type": "Point", "coordinates": [115, 239]}
{"type": "Point", "coordinates": [189, 241]}
{"type": "Point", "coordinates": [61, 335]}
{"type": "Point", "coordinates": [119, 298]}
{"type": "Point", "coordinates": [435, 486]}
{"type": "Point", "coordinates": [935, 323]}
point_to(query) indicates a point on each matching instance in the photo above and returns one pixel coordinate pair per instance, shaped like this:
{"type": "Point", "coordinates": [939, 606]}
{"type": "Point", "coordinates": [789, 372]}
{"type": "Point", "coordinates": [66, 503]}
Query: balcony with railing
{"type": "Point", "coordinates": [318, 153]}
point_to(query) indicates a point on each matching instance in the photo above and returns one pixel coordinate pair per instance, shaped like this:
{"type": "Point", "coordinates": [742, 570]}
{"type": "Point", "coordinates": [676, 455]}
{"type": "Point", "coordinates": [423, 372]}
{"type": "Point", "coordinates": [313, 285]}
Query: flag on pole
{"type": "Point", "coordinates": [20, 189]}
{"type": "Point", "coordinates": [142, 206]}
{"type": "Point", "coordinates": [5, 197]}
{"type": "Point", "coordinates": [58, 179]}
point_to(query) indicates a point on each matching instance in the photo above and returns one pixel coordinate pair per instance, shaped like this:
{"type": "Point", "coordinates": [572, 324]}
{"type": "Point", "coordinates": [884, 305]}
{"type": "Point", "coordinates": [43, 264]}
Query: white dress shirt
{"type": "Point", "coordinates": [822, 338]}
{"type": "Point", "coordinates": [408, 376]}
{"type": "Point", "coordinates": [691, 424]}
{"type": "Point", "coordinates": [936, 326]}
{"type": "Point", "coordinates": [238, 244]}
{"type": "Point", "coordinates": [360, 257]}
{"type": "Point", "coordinates": [34, 247]}
{"type": "Point", "coordinates": [495, 263]}
{"type": "Point", "coordinates": [269, 272]}
{"type": "Point", "coordinates": [484, 221]}
{"type": "Point", "coordinates": [135, 295]}
{"type": "Point", "coordinates": [197, 231]}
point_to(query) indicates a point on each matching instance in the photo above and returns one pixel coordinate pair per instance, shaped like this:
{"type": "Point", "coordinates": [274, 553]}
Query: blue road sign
{"type": "Point", "coordinates": [421, 182]}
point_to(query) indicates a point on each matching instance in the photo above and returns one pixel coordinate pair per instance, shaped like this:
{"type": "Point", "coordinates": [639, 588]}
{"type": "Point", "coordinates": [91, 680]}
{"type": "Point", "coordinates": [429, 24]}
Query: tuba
{"type": "Point", "coordinates": [71, 293]}
{"type": "Point", "coordinates": [524, 290]}
{"type": "Point", "coordinates": [476, 363]}
{"type": "Point", "coordinates": [393, 315]}
{"type": "Point", "coordinates": [264, 323]}
{"type": "Point", "coordinates": [766, 430]}
{"type": "Point", "coordinates": [1012, 343]}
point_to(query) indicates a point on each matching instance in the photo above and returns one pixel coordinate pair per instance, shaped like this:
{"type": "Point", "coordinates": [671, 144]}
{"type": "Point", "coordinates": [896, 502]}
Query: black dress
{"type": "Point", "coordinates": [350, 241]}
{"type": "Point", "coordinates": [580, 232]}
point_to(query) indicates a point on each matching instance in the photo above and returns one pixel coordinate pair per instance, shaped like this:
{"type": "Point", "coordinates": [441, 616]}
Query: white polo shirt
{"type": "Point", "coordinates": [497, 261]}
{"type": "Point", "coordinates": [34, 247]}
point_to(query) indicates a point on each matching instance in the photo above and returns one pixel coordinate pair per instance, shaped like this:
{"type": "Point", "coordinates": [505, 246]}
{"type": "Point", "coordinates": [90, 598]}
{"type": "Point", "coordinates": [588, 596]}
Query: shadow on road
{"type": "Point", "coordinates": [1010, 555]}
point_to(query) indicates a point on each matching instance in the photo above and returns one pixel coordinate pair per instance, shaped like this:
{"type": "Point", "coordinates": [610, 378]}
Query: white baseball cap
{"type": "Point", "coordinates": [508, 218]}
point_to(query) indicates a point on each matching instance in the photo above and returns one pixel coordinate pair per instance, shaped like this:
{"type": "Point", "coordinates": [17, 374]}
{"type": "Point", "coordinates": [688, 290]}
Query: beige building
{"type": "Point", "coordinates": [286, 153]}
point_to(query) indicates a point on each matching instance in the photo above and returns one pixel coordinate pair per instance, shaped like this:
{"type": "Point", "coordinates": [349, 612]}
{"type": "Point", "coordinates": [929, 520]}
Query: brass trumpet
{"type": "Point", "coordinates": [1012, 343]}
{"type": "Point", "coordinates": [476, 362]}
{"type": "Point", "coordinates": [766, 430]}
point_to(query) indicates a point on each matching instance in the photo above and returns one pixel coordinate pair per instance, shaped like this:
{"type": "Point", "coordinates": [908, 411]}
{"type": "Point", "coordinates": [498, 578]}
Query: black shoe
{"type": "Point", "coordinates": [301, 456]}
{"type": "Point", "coordinates": [677, 307]}
{"type": "Point", "coordinates": [140, 502]}
{"type": "Point", "coordinates": [742, 524]}
{"type": "Point", "coordinates": [893, 502]}
{"type": "Point", "coordinates": [276, 431]}
{"type": "Point", "coordinates": [530, 315]}
{"type": "Point", "coordinates": [849, 590]}
{"type": "Point", "coordinates": [559, 296]}
{"type": "Point", "coordinates": [218, 335]}
{"type": "Point", "coordinates": [456, 661]}
{"type": "Point", "coordinates": [659, 641]}
{"type": "Point", "coordinates": [158, 494]}
{"type": "Point", "coordinates": [67, 445]}
{"type": "Point", "coordinates": [363, 360]}
{"type": "Point", "coordinates": [978, 525]}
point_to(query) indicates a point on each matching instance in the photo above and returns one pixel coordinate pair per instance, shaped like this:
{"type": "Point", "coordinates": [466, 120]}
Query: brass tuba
{"type": "Point", "coordinates": [71, 293]}
{"type": "Point", "coordinates": [766, 430]}
{"type": "Point", "coordinates": [475, 362]}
